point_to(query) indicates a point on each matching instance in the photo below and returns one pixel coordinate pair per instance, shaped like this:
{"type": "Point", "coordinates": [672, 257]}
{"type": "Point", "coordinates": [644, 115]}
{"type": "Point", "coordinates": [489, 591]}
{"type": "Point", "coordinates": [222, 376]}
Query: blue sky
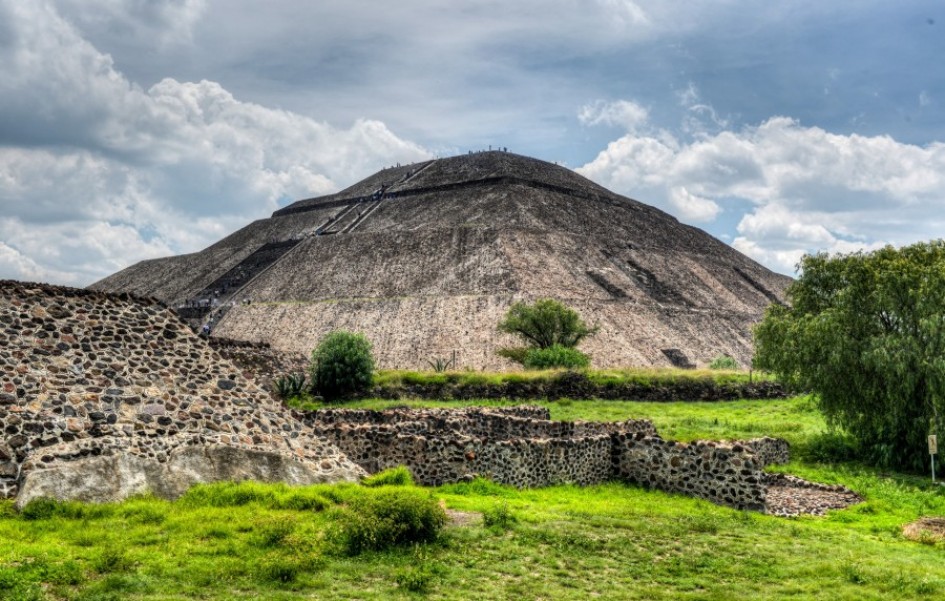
{"type": "Point", "coordinates": [132, 129]}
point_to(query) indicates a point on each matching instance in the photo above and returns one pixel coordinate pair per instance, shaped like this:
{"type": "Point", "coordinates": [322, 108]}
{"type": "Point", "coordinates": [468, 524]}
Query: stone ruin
{"type": "Point", "coordinates": [104, 396]}
{"type": "Point", "coordinates": [521, 447]}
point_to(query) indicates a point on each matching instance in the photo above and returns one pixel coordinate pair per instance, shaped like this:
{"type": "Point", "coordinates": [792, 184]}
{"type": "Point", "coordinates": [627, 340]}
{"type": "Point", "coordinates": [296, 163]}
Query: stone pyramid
{"type": "Point", "coordinates": [105, 396]}
{"type": "Point", "coordinates": [426, 258]}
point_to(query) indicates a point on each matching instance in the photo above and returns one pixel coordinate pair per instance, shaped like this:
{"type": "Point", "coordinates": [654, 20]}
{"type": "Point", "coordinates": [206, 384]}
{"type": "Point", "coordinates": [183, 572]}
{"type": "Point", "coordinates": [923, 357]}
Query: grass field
{"type": "Point", "coordinates": [609, 542]}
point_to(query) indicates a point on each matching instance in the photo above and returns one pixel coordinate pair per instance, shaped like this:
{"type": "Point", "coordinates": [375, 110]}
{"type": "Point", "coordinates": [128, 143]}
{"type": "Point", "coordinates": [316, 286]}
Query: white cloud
{"type": "Point", "coordinates": [807, 189]}
{"type": "Point", "coordinates": [691, 207]}
{"type": "Point", "coordinates": [623, 113]}
{"type": "Point", "coordinates": [98, 173]}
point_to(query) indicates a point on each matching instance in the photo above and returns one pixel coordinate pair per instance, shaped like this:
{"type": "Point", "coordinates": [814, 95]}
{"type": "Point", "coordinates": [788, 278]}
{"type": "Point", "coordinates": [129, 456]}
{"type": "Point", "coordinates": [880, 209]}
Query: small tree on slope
{"type": "Point", "coordinates": [544, 325]}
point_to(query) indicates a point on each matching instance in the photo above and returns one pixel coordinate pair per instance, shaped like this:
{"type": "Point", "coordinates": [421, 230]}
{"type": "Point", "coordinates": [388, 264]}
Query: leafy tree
{"type": "Point", "coordinates": [342, 365]}
{"type": "Point", "coordinates": [866, 333]}
{"type": "Point", "coordinates": [543, 325]}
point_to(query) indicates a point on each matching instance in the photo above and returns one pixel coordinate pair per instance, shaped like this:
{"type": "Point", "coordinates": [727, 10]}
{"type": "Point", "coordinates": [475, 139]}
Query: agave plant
{"type": "Point", "coordinates": [290, 386]}
{"type": "Point", "coordinates": [441, 364]}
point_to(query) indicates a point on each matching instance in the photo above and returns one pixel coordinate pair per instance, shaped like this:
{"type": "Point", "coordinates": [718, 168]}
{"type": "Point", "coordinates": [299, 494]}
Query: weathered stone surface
{"type": "Point", "coordinates": [110, 478]}
{"type": "Point", "coordinates": [521, 447]}
{"type": "Point", "coordinates": [431, 265]}
{"type": "Point", "coordinates": [95, 377]}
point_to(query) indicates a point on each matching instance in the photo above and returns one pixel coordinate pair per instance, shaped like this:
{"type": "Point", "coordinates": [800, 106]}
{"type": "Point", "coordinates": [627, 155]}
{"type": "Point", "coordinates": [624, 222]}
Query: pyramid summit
{"type": "Point", "coordinates": [426, 258]}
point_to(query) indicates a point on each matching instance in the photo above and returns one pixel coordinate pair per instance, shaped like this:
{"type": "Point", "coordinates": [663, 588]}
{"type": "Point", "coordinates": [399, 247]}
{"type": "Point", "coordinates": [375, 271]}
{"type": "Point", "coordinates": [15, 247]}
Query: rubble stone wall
{"type": "Point", "coordinates": [520, 446]}
{"type": "Point", "coordinates": [83, 373]}
{"type": "Point", "coordinates": [729, 474]}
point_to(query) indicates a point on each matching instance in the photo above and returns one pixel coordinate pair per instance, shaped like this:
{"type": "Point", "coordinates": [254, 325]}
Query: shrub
{"type": "Point", "coordinates": [555, 356]}
{"type": "Point", "coordinates": [724, 362]}
{"type": "Point", "coordinates": [545, 323]}
{"type": "Point", "coordinates": [397, 476]}
{"type": "Point", "coordinates": [342, 365]}
{"type": "Point", "coordinates": [387, 518]}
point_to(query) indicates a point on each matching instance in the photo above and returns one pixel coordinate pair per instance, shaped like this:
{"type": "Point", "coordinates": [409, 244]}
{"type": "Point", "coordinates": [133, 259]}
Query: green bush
{"type": "Point", "coordinates": [387, 518]}
{"type": "Point", "coordinates": [342, 365]}
{"type": "Point", "coordinates": [555, 356]}
{"type": "Point", "coordinates": [397, 476]}
{"type": "Point", "coordinates": [544, 323]}
{"type": "Point", "coordinates": [724, 362]}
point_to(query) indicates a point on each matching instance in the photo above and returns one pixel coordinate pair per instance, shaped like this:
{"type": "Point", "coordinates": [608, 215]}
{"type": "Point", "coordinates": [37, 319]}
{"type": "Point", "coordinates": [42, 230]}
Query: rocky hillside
{"type": "Point", "coordinates": [425, 259]}
{"type": "Point", "coordinates": [103, 396]}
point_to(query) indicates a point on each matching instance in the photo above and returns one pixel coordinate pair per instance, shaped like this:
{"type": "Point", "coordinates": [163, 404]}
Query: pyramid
{"type": "Point", "coordinates": [106, 396]}
{"type": "Point", "coordinates": [425, 259]}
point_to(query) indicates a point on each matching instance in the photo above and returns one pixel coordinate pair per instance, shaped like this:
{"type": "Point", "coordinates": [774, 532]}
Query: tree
{"type": "Point", "coordinates": [542, 325]}
{"type": "Point", "coordinates": [342, 365]}
{"type": "Point", "coordinates": [865, 332]}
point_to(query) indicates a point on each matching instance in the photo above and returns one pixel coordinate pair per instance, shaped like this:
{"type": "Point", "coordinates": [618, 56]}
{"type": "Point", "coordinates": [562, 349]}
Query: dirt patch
{"type": "Point", "coordinates": [458, 519]}
{"type": "Point", "coordinates": [928, 529]}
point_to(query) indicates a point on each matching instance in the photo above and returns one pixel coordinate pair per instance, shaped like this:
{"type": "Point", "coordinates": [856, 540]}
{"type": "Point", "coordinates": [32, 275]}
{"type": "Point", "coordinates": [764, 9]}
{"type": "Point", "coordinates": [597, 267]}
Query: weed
{"type": "Point", "coordinates": [499, 517]}
{"type": "Point", "coordinates": [395, 476]}
{"type": "Point", "coordinates": [111, 559]}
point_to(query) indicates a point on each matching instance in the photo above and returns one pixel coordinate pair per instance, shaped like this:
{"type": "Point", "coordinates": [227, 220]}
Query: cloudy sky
{"type": "Point", "coordinates": [132, 129]}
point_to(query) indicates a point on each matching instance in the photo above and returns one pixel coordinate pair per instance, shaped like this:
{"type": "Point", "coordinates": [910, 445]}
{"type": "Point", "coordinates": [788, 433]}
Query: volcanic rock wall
{"type": "Point", "coordinates": [519, 446]}
{"type": "Point", "coordinates": [86, 375]}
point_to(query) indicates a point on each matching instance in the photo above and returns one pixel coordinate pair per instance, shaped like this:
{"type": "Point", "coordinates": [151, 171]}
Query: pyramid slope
{"type": "Point", "coordinates": [426, 258]}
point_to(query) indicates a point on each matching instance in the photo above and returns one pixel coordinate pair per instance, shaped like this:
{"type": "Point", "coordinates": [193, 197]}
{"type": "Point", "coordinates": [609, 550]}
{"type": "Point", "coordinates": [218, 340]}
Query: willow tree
{"type": "Point", "coordinates": [865, 332]}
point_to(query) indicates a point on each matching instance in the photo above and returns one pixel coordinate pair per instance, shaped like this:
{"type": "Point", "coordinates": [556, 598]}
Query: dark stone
{"type": "Point", "coordinates": [226, 384]}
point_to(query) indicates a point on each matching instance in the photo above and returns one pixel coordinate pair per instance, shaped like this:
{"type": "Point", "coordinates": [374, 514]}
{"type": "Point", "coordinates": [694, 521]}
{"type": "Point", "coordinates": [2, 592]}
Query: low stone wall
{"type": "Point", "coordinates": [521, 447]}
{"type": "Point", "coordinates": [728, 474]}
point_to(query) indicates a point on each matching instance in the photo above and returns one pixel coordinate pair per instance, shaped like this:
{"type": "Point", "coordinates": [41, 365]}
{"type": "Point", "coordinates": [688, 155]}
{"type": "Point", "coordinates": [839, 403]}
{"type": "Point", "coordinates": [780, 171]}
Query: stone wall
{"type": "Point", "coordinates": [729, 474]}
{"type": "Point", "coordinates": [520, 446]}
{"type": "Point", "coordinates": [87, 374]}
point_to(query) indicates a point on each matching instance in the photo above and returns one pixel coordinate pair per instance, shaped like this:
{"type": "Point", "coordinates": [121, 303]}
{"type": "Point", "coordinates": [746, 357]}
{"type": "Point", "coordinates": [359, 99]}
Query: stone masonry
{"type": "Point", "coordinates": [86, 376]}
{"type": "Point", "coordinates": [520, 446]}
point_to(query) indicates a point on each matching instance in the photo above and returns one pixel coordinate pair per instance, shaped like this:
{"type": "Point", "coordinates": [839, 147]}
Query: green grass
{"type": "Point", "coordinates": [602, 377]}
{"type": "Point", "coordinates": [612, 541]}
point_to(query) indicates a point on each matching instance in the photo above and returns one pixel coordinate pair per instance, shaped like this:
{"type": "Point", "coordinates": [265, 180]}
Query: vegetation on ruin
{"type": "Point", "coordinates": [551, 332]}
{"type": "Point", "coordinates": [615, 541]}
{"type": "Point", "coordinates": [342, 365]}
{"type": "Point", "coordinates": [866, 333]}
